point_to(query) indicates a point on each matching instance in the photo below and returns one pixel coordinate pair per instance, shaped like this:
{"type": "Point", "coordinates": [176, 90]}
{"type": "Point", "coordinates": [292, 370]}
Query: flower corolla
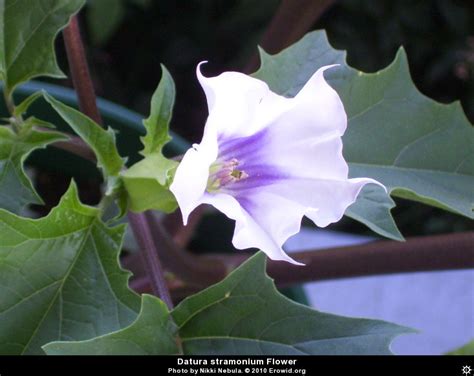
{"type": "Point", "coordinates": [266, 161]}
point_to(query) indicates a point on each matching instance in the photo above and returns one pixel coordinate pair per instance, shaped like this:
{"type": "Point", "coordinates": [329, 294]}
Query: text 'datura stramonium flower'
{"type": "Point", "coordinates": [266, 160]}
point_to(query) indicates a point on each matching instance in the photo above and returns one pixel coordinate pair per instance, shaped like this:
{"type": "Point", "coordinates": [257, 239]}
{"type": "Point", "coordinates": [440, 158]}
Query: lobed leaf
{"type": "Point", "coordinates": [147, 182]}
{"type": "Point", "coordinates": [101, 141]}
{"type": "Point", "coordinates": [16, 189]}
{"type": "Point", "coordinates": [419, 149]}
{"type": "Point", "coordinates": [60, 278]}
{"type": "Point", "coordinates": [151, 333]}
{"type": "Point", "coordinates": [372, 208]}
{"type": "Point", "coordinates": [157, 124]}
{"type": "Point", "coordinates": [245, 314]}
{"type": "Point", "coordinates": [27, 32]}
{"type": "Point", "coordinates": [242, 315]}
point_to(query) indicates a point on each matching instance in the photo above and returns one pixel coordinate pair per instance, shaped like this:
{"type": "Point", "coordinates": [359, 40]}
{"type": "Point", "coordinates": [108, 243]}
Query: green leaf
{"type": "Point", "coordinates": [27, 32]}
{"type": "Point", "coordinates": [151, 333]}
{"type": "Point", "coordinates": [23, 106]}
{"type": "Point", "coordinates": [16, 190]}
{"type": "Point", "coordinates": [100, 140]}
{"type": "Point", "coordinates": [245, 314]}
{"type": "Point", "coordinates": [103, 19]}
{"type": "Point", "coordinates": [115, 204]}
{"type": "Point", "coordinates": [467, 349]}
{"type": "Point", "coordinates": [419, 149]}
{"type": "Point", "coordinates": [60, 278]}
{"type": "Point", "coordinates": [157, 124]}
{"type": "Point", "coordinates": [242, 315]}
{"type": "Point", "coordinates": [35, 122]}
{"type": "Point", "coordinates": [372, 208]}
{"type": "Point", "coordinates": [147, 183]}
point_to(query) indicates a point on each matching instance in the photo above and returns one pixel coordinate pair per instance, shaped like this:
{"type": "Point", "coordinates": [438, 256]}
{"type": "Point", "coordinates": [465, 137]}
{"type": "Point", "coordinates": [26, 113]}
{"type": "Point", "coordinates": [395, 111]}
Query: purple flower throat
{"type": "Point", "coordinates": [242, 164]}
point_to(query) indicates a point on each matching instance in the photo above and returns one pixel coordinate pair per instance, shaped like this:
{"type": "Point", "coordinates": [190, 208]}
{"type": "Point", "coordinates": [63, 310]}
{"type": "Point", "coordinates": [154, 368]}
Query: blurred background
{"type": "Point", "coordinates": [127, 40]}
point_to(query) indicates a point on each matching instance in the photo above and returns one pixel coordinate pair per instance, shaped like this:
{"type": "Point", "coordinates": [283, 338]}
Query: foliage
{"type": "Point", "coordinates": [243, 314]}
{"type": "Point", "coordinates": [147, 184]}
{"type": "Point", "coordinates": [101, 141]}
{"type": "Point", "coordinates": [60, 278]}
{"type": "Point", "coordinates": [16, 190]}
{"type": "Point", "coordinates": [61, 285]}
{"type": "Point", "coordinates": [152, 333]}
{"type": "Point", "coordinates": [147, 181]}
{"type": "Point", "coordinates": [27, 31]}
{"type": "Point", "coordinates": [423, 152]}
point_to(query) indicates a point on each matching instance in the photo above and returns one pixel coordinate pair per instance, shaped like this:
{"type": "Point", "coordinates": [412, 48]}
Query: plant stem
{"type": "Point", "coordinates": [76, 146]}
{"type": "Point", "coordinates": [80, 71]}
{"type": "Point", "coordinates": [417, 254]}
{"type": "Point", "coordinates": [9, 101]}
{"type": "Point", "coordinates": [189, 267]}
{"type": "Point", "coordinates": [143, 235]}
{"type": "Point", "coordinates": [87, 103]}
{"type": "Point", "coordinates": [15, 122]}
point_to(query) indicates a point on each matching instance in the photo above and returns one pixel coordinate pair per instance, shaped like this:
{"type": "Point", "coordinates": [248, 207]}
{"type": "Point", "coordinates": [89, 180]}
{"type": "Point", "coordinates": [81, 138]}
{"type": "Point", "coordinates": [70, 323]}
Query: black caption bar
{"type": "Point", "coordinates": [242, 365]}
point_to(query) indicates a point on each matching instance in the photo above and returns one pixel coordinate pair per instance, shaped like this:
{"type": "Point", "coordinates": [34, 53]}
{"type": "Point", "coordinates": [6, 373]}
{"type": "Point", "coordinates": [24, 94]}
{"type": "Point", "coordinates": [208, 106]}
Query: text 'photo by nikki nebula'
{"type": "Point", "coordinates": [237, 186]}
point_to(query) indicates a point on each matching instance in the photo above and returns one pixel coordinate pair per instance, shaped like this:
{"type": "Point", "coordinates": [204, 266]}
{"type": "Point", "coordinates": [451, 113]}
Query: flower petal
{"type": "Point", "coordinates": [239, 105]}
{"type": "Point", "coordinates": [333, 198]}
{"type": "Point", "coordinates": [324, 101]}
{"type": "Point", "coordinates": [306, 141]}
{"type": "Point", "coordinates": [290, 150]}
{"type": "Point", "coordinates": [274, 214]}
{"type": "Point", "coordinates": [249, 232]}
{"type": "Point", "coordinates": [190, 181]}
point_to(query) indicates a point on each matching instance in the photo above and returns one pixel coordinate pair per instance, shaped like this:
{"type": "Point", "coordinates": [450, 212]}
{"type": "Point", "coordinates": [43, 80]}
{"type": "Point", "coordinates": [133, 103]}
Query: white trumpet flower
{"type": "Point", "coordinates": [266, 161]}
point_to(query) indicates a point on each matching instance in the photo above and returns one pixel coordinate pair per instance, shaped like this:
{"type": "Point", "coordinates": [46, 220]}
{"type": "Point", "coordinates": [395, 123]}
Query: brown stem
{"type": "Point", "coordinates": [190, 268]}
{"type": "Point", "coordinates": [143, 235]}
{"type": "Point", "coordinates": [182, 235]}
{"type": "Point", "coordinates": [290, 22]}
{"type": "Point", "coordinates": [423, 253]}
{"type": "Point", "coordinates": [80, 71]}
{"type": "Point", "coordinates": [87, 103]}
{"type": "Point", "coordinates": [429, 253]}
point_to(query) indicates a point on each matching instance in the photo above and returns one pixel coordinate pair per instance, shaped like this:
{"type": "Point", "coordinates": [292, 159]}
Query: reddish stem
{"type": "Point", "coordinates": [417, 254]}
{"type": "Point", "coordinates": [87, 103]}
{"type": "Point", "coordinates": [143, 235]}
{"type": "Point", "coordinates": [80, 71]}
